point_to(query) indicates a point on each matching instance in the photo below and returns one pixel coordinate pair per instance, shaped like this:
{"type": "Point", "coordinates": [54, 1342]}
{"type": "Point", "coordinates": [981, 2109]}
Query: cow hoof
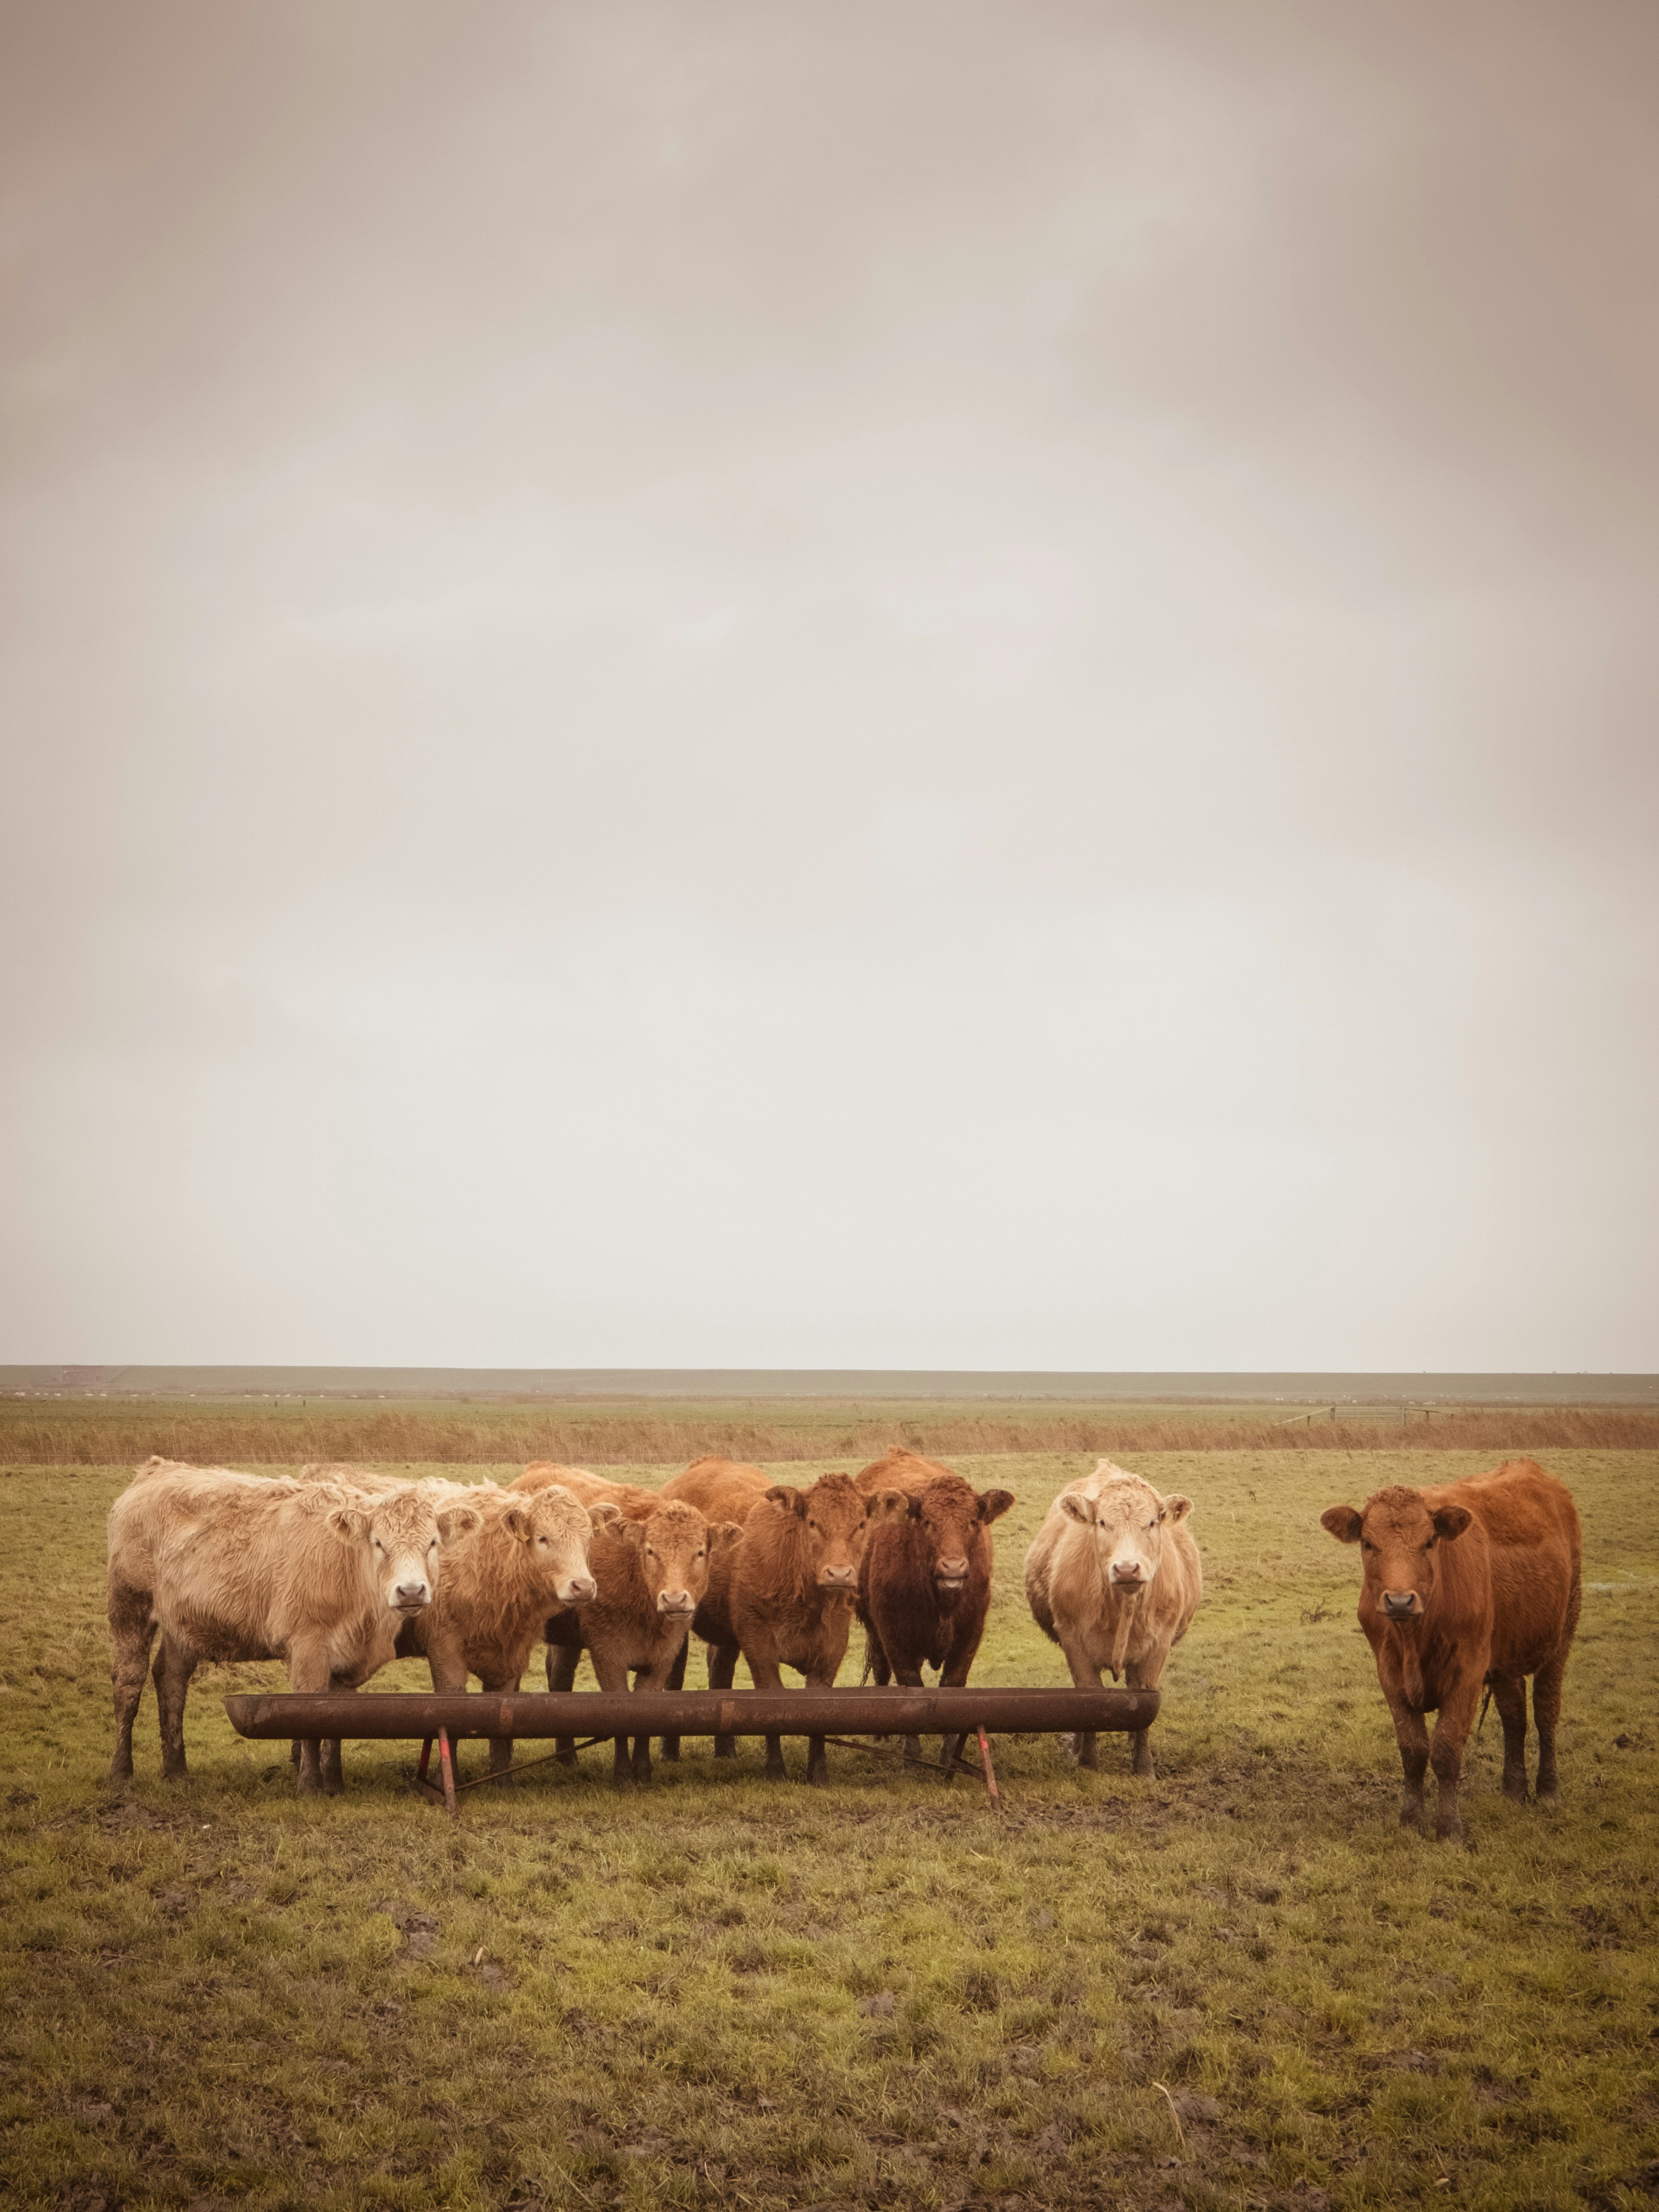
{"type": "Point", "coordinates": [566, 1758]}
{"type": "Point", "coordinates": [777, 1773]}
{"type": "Point", "coordinates": [308, 1785]}
{"type": "Point", "coordinates": [642, 1773]}
{"type": "Point", "coordinates": [121, 1771]}
{"type": "Point", "coordinates": [334, 1786]}
{"type": "Point", "coordinates": [671, 1751]}
{"type": "Point", "coordinates": [819, 1777]}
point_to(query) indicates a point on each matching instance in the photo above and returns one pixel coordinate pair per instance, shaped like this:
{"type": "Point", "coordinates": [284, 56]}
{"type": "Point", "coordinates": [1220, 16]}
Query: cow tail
{"type": "Point", "coordinates": [1485, 1702]}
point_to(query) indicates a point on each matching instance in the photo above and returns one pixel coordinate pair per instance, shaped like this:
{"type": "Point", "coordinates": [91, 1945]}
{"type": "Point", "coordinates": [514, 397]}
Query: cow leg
{"type": "Point", "coordinates": [1546, 1712]}
{"type": "Point", "coordinates": [561, 1665]}
{"type": "Point", "coordinates": [675, 1681]}
{"type": "Point", "coordinates": [174, 1670]}
{"type": "Point", "coordinates": [1412, 1738]}
{"type": "Point", "coordinates": [613, 1679]}
{"type": "Point", "coordinates": [765, 1676]}
{"type": "Point", "coordinates": [309, 1676]}
{"type": "Point", "coordinates": [1451, 1733]}
{"type": "Point", "coordinates": [1085, 1675]}
{"type": "Point", "coordinates": [909, 1678]}
{"type": "Point", "coordinates": [1142, 1674]}
{"type": "Point", "coordinates": [132, 1631]}
{"type": "Point", "coordinates": [1508, 1694]}
{"type": "Point", "coordinates": [500, 1747]}
{"type": "Point", "coordinates": [722, 1666]}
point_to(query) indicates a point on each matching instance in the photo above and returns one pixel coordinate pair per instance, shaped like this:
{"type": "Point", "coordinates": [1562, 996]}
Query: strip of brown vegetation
{"type": "Point", "coordinates": [243, 1436]}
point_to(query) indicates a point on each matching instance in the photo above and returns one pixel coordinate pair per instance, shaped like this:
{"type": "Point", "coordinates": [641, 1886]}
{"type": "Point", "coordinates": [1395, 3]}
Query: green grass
{"type": "Point", "coordinates": [724, 1992]}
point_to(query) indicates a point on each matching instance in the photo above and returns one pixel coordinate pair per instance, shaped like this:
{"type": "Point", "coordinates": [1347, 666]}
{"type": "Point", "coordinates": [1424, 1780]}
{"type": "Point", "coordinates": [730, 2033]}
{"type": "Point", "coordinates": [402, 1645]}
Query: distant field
{"type": "Point", "coordinates": [723, 1992]}
{"type": "Point", "coordinates": [78, 1430]}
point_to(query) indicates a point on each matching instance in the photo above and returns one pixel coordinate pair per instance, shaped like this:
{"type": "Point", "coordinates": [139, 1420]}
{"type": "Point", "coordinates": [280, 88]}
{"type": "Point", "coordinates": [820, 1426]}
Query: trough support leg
{"type": "Point", "coordinates": [990, 1772]}
{"type": "Point", "coordinates": [448, 1766]}
{"type": "Point", "coordinates": [426, 1762]}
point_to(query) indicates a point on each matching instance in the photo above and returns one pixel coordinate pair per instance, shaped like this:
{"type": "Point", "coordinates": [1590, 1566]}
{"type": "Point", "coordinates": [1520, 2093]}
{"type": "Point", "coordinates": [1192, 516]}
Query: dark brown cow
{"type": "Point", "coordinates": [1468, 1583]}
{"type": "Point", "coordinates": [788, 1595]}
{"type": "Point", "coordinates": [723, 1490]}
{"type": "Point", "coordinates": [924, 1578]}
{"type": "Point", "coordinates": [651, 1573]}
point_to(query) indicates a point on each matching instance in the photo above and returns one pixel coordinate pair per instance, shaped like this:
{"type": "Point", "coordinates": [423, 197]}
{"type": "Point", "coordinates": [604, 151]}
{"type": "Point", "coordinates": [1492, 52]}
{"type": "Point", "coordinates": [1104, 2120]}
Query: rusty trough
{"type": "Point", "coordinates": [599, 1715]}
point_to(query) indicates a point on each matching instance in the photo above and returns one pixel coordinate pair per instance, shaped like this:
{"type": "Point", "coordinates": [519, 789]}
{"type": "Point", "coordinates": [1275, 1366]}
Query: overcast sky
{"type": "Point", "coordinates": [830, 684]}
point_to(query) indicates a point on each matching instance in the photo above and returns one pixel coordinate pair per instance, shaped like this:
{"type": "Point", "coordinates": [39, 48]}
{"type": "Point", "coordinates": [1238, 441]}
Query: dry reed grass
{"type": "Point", "coordinates": [71, 1434]}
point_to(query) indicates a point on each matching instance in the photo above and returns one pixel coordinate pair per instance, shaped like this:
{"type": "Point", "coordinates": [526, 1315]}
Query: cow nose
{"type": "Point", "coordinates": [1125, 1570]}
{"type": "Point", "coordinates": [578, 1590]}
{"type": "Point", "coordinates": [837, 1577]}
{"type": "Point", "coordinates": [953, 1570]}
{"type": "Point", "coordinates": [677, 1600]}
{"type": "Point", "coordinates": [411, 1595]}
{"type": "Point", "coordinates": [1399, 1602]}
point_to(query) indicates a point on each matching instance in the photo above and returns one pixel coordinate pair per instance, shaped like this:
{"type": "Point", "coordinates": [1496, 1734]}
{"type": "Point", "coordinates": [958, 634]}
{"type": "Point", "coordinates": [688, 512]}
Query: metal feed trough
{"type": "Point", "coordinates": [600, 1716]}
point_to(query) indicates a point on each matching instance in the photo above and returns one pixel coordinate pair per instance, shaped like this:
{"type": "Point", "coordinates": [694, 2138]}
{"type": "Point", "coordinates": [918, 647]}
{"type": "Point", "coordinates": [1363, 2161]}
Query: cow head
{"type": "Point", "coordinates": [946, 1514]}
{"type": "Point", "coordinates": [553, 1527]}
{"type": "Point", "coordinates": [675, 1547]}
{"type": "Point", "coordinates": [1129, 1522]}
{"type": "Point", "coordinates": [399, 1532]}
{"type": "Point", "coordinates": [1397, 1532]}
{"type": "Point", "coordinates": [835, 1516]}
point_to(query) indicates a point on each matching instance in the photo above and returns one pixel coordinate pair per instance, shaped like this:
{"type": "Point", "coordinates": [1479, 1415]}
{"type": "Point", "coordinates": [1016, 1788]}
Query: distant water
{"type": "Point", "coordinates": [610, 1383]}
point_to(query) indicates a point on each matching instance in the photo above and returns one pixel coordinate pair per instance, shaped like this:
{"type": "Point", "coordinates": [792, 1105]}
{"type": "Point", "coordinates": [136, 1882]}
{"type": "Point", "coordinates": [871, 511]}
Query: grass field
{"type": "Point", "coordinates": [1238, 1985]}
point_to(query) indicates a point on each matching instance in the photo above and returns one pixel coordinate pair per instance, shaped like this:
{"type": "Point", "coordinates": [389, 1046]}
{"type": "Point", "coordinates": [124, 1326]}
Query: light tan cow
{"type": "Point", "coordinates": [526, 1561]}
{"type": "Point", "coordinates": [1114, 1577]}
{"type": "Point", "coordinates": [241, 1567]}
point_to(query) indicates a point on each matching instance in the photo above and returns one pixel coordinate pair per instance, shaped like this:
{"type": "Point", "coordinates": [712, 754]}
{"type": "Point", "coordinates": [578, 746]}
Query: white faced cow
{"type": "Point", "coordinates": [1114, 1577]}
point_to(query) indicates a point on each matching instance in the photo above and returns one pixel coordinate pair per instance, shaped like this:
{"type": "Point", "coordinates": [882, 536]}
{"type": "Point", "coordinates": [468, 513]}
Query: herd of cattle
{"type": "Point", "coordinates": [336, 1570]}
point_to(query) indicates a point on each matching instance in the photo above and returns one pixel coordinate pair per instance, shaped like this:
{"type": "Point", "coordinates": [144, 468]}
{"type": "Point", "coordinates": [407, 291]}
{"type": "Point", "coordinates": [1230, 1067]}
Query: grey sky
{"type": "Point", "coordinates": [831, 685]}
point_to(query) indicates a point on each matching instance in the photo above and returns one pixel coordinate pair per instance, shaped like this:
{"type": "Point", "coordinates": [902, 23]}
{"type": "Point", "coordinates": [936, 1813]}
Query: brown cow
{"type": "Point", "coordinates": [1113, 1576]}
{"type": "Point", "coordinates": [244, 1567]}
{"type": "Point", "coordinates": [631, 1499]}
{"type": "Point", "coordinates": [527, 1559]}
{"type": "Point", "coordinates": [722, 1489]}
{"type": "Point", "coordinates": [791, 1586]}
{"type": "Point", "coordinates": [1468, 1583]}
{"type": "Point", "coordinates": [924, 1578]}
{"type": "Point", "coordinates": [652, 1575]}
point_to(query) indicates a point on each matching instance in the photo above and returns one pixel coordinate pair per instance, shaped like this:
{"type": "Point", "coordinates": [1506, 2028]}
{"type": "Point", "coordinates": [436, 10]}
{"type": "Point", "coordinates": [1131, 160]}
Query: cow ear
{"type": "Point", "coordinates": [888, 1505]}
{"type": "Point", "coordinates": [1175, 1508]}
{"type": "Point", "coordinates": [633, 1532]}
{"type": "Point", "coordinates": [1451, 1520]}
{"type": "Point", "coordinates": [1076, 1507]}
{"type": "Point", "coordinates": [458, 1521]}
{"type": "Point", "coordinates": [724, 1536]}
{"type": "Point", "coordinates": [349, 1523]}
{"type": "Point", "coordinates": [518, 1522]}
{"type": "Point", "coordinates": [602, 1516]}
{"type": "Point", "coordinates": [1342, 1522]}
{"type": "Point", "coordinates": [993, 1504]}
{"type": "Point", "coordinates": [787, 1498]}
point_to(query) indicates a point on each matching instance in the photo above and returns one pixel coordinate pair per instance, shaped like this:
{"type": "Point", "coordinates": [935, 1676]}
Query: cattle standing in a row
{"type": "Point", "coordinates": [652, 1575]}
{"type": "Point", "coordinates": [1465, 1583]}
{"type": "Point", "coordinates": [242, 1567]}
{"type": "Point", "coordinates": [924, 1578]}
{"type": "Point", "coordinates": [1114, 1577]}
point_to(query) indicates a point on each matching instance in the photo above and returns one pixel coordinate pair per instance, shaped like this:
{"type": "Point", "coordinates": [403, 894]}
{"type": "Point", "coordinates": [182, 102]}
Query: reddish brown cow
{"type": "Point", "coordinates": [1468, 1583]}
{"type": "Point", "coordinates": [631, 1499]}
{"type": "Point", "coordinates": [652, 1575]}
{"type": "Point", "coordinates": [791, 1588]}
{"type": "Point", "coordinates": [723, 1490]}
{"type": "Point", "coordinates": [924, 1578]}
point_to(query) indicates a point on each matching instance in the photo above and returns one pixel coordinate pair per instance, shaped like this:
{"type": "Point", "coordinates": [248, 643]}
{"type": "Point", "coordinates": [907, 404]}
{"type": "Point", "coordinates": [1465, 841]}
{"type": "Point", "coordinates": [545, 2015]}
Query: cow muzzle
{"type": "Point", "coordinates": [675, 1601]}
{"type": "Point", "coordinates": [837, 1577]}
{"type": "Point", "coordinates": [1401, 1605]}
{"type": "Point", "coordinates": [1126, 1576]}
{"type": "Point", "coordinates": [950, 1574]}
{"type": "Point", "coordinates": [580, 1590]}
{"type": "Point", "coordinates": [409, 1597]}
